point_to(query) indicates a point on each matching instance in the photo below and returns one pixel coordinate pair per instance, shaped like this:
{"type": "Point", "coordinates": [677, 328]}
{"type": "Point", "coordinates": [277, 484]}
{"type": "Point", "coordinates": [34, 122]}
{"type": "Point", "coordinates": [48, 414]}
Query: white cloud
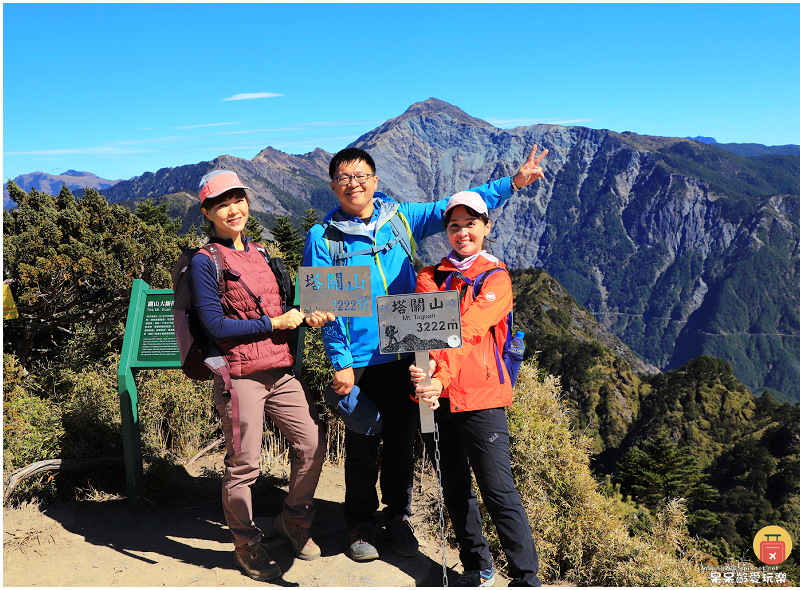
{"type": "Point", "coordinates": [246, 131]}
{"type": "Point", "coordinates": [80, 151]}
{"type": "Point", "coordinates": [342, 123]}
{"type": "Point", "coordinates": [251, 95]}
{"type": "Point", "coordinates": [187, 127]}
{"type": "Point", "coordinates": [527, 122]}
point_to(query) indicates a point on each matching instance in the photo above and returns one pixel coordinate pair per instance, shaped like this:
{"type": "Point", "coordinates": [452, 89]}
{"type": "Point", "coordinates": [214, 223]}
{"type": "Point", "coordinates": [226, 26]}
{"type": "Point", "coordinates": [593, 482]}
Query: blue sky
{"type": "Point", "coordinates": [122, 89]}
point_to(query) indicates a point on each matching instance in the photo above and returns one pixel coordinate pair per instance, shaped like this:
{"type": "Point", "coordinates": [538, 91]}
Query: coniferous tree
{"type": "Point", "coordinates": [253, 229]}
{"type": "Point", "coordinates": [153, 214]}
{"type": "Point", "coordinates": [290, 242]}
{"type": "Point", "coordinates": [659, 471]}
{"type": "Point", "coordinates": [73, 262]}
{"type": "Point", "coordinates": [310, 219]}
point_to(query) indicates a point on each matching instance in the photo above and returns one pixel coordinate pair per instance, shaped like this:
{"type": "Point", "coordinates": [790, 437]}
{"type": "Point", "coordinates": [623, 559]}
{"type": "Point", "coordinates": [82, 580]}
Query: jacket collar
{"type": "Point", "coordinates": [383, 208]}
{"type": "Point", "coordinates": [482, 263]}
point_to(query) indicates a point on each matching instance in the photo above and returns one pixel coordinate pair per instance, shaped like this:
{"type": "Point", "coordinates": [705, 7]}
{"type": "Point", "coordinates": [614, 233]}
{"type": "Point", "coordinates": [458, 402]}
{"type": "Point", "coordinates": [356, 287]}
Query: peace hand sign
{"type": "Point", "coordinates": [530, 170]}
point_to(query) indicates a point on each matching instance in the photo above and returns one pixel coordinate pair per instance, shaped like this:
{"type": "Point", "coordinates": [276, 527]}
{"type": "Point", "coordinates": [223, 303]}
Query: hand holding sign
{"type": "Point", "coordinates": [419, 322]}
{"type": "Point", "coordinates": [319, 319]}
{"type": "Point", "coordinates": [428, 388]}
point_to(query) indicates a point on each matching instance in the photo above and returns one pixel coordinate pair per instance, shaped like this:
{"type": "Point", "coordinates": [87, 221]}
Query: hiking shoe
{"type": "Point", "coordinates": [402, 536]}
{"type": "Point", "coordinates": [475, 578]}
{"type": "Point", "coordinates": [361, 543]}
{"type": "Point", "coordinates": [303, 545]}
{"type": "Point", "coordinates": [254, 561]}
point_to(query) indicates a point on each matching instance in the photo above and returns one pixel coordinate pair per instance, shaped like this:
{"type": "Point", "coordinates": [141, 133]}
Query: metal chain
{"type": "Point", "coordinates": [441, 502]}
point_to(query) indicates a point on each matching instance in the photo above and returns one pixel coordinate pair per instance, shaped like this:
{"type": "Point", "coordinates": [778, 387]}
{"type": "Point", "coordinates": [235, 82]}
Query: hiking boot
{"type": "Point", "coordinates": [361, 543]}
{"type": "Point", "coordinates": [402, 536]}
{"type": "Point", "coordinates": [254, 561]}
{"type": "Point", "coordinates": [303, 545]}
{"type": "Point", "coordinates": [475, 578]}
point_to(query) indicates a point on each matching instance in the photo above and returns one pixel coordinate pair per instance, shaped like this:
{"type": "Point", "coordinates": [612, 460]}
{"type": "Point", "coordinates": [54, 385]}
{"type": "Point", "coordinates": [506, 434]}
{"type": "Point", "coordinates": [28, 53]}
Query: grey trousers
{"type": "Point", "coordinates": [288, 404]}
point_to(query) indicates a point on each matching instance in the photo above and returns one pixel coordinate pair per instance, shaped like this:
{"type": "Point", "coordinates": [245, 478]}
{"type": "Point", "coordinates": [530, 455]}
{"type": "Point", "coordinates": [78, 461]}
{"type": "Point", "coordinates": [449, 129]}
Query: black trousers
{"type": "Point", "coordinates": [480, 439]}
{"type": "Point", "coordinates": [389, 386]}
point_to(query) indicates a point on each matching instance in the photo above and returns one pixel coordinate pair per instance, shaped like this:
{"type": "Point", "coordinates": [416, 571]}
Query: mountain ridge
{"type": "Point", "coordinates": [659, 238]}
{"type": "Point", "coordinates": [51, 183]}
{"type": "Point", "coordinates": [752, 149]}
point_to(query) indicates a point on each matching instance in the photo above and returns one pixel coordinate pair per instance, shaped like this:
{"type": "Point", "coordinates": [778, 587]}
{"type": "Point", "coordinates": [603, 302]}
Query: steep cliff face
{"type": "Point", "coordinates": [678, 247]}
{"type": "Point", "coordinates": [655, 236]}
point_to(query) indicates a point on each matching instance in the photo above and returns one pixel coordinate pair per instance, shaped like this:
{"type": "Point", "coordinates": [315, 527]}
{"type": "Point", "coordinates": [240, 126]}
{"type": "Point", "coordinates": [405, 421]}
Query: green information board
{"type": "Point", "coordinates": [157, 335]}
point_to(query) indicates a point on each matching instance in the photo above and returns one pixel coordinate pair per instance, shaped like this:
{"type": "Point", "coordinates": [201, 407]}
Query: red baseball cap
{"type": "Point", "coordinates": [217, 182]}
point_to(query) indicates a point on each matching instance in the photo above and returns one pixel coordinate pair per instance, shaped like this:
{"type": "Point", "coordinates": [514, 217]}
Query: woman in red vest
{"type": "Point", "coordinates": [249, 325]}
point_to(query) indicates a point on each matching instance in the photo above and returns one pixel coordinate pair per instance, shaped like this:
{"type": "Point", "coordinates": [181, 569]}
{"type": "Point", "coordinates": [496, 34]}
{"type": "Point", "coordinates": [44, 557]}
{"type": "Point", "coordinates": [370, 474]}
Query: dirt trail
{"type": "Point", "coordinates": [105, 543]}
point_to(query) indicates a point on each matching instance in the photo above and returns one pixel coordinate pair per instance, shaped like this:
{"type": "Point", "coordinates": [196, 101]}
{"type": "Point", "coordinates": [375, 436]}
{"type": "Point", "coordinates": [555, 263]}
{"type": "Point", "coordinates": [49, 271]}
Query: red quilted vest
{"type": "Point", "coordinates": [251, 354]}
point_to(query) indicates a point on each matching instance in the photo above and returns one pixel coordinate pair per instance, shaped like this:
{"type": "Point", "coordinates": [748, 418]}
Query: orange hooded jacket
{"type": "Point", "coordinates": [469, 374]}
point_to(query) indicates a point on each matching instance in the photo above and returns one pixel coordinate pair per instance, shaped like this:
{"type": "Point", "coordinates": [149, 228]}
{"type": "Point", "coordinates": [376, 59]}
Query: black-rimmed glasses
{"type": "Point", "coordinates": [345, 179]}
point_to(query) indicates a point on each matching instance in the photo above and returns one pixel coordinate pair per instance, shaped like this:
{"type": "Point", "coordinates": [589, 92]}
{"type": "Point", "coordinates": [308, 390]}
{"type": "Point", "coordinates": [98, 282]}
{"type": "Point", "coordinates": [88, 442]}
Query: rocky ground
{"type": "Point", "coordinates": [106, 542]}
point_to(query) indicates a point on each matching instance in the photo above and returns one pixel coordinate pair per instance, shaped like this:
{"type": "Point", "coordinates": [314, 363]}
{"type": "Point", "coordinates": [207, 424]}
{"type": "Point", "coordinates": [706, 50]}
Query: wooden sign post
{"type": "Point", "coordinates": [418, 323]}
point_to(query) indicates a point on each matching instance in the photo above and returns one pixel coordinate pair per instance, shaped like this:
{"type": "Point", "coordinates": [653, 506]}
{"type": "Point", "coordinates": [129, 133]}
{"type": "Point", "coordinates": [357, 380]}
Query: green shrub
{"type": "Point", "coordinates": [580, 534]}
{"type": "Point", "coordinates": [176, 414]}
{"type": "Point", "coordinates": [90, 405]}
{"type": "Point", "coordinates": [32, 428]}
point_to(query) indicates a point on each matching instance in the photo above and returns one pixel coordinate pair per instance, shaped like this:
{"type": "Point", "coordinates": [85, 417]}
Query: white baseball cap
{"type": "Point", "coordinates": [469, 199]}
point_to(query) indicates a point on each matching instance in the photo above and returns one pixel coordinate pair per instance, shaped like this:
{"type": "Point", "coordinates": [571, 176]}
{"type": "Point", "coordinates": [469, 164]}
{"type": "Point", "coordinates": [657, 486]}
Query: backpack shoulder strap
{"type": "Point", "coordinates": [263, 250]}
{"type": "Point", "coordinates": [217, 256]}
{"type": "Point", "coordinates": [401, 231]}
{"type": "Point", "coordinates": [282, 276]}
{"type": "Point", "coordinates": [446, 276]}
{"type": "Point", "coordinates": [440, 275]}
{"type": "Point", "coordinates": [333, 235]}
{"type": "Point", "coordinates": [479, 280]}
{"type": "Point", "coordinates": [476, 289]}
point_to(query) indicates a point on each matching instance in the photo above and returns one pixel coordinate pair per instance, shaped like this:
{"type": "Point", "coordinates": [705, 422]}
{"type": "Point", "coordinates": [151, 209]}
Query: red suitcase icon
{"type": "Point", "coordinates": [773, 552]}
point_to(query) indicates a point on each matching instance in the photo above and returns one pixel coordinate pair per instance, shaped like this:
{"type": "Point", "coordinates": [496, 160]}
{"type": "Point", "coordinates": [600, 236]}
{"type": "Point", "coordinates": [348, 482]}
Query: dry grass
{"type": "Point", "coordinates": [580, 535]}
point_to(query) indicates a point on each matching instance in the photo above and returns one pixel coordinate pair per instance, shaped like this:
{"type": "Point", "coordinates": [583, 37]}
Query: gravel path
{"type": "Point", "coordinates": [105, 543]}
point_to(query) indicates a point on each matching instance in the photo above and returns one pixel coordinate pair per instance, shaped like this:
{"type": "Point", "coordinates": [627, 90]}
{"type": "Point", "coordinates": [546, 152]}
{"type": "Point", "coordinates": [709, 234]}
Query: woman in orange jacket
{"type": "Point", "coordinates": [470, 415]}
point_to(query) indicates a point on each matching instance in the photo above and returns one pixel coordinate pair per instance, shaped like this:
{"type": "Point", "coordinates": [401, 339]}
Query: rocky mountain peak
{"type": "Point", "coordinates": [434, 106]}
{"type": "Point", "coordinates": [314, 163]}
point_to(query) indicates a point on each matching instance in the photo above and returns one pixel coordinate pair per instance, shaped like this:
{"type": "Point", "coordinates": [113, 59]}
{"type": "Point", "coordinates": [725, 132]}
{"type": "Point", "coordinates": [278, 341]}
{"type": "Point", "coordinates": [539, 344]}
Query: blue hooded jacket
{"type": "Point", "coordinates": [353, 341]}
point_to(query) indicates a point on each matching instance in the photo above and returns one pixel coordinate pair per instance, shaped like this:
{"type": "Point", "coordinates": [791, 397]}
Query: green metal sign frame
{"type": "Point", "coordinates": [147, 345]}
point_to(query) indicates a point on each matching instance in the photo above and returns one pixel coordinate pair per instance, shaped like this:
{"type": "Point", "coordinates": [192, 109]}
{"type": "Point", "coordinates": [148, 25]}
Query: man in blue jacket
{"type": "Point", "coordinates": [361, 232]}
